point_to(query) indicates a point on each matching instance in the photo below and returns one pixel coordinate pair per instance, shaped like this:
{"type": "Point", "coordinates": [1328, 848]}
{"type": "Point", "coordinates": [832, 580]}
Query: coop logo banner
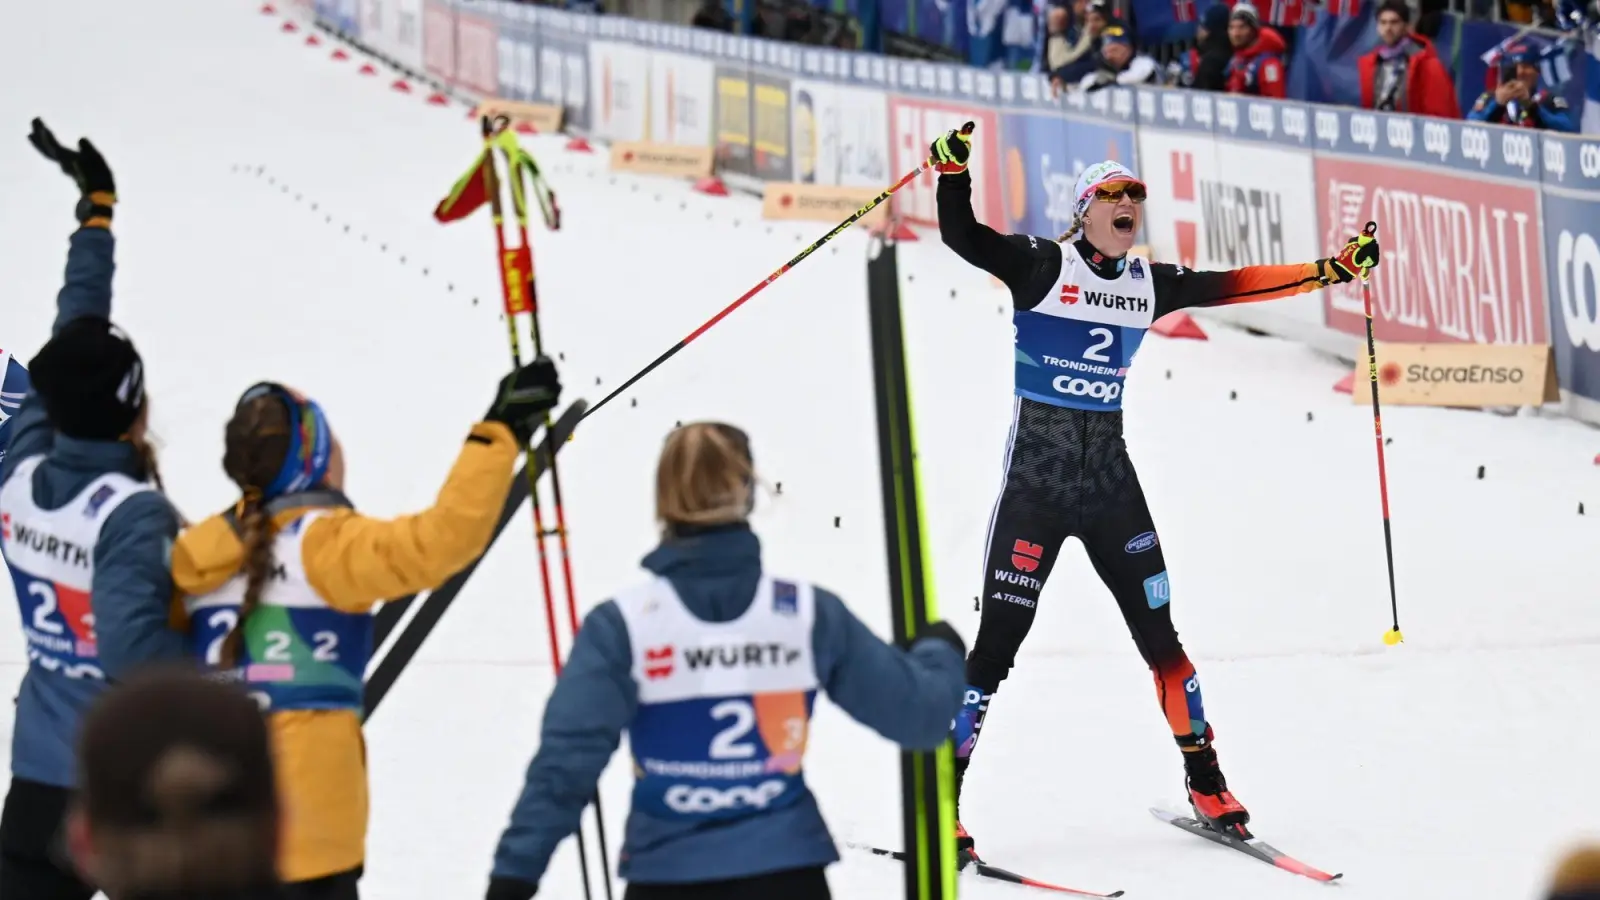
{"type": "Point", "coordinates": [1570, 162]}
{"type": "Point", "coordinates": [1461, 262]}
{"type": "Point", "coordinates": [1466, 147]}
{"type": "Point", "coordinates": [1572, 251]}
{"type": "Point", "coordinates": [1043, 155]}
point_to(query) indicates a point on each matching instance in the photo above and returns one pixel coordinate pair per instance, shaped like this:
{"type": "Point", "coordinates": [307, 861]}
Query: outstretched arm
{"type": "Point", "coordinates": [1025, 264]}
{"type": "Point", "coordinates": [1181, 288]}
{"type": "Point", "coordinates": [593, 702]}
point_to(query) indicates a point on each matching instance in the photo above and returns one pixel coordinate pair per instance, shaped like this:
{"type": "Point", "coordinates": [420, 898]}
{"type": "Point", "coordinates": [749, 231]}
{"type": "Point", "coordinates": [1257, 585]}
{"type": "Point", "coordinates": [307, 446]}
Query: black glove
{"type": "Point", "coordinates": [525, 396]}
{"type": "Point", "coordinates": [942, 631]}
{"type": "Point", "coordinates": [86, 167]}
{"type": "Point", "coordinates": [510, 889]}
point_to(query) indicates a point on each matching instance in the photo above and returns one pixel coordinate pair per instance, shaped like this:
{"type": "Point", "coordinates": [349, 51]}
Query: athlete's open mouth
{"type": "Point", "coordinates": [1123, 224]}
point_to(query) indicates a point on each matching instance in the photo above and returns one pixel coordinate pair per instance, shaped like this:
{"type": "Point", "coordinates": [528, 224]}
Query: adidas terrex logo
{"type": "Point", "coordinates": [1071, 293]}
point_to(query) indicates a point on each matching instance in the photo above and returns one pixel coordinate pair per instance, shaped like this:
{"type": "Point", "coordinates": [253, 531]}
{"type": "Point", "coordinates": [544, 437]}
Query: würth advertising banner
{"type": "Point", "coordinates": [1223, 205]}
{"type": "Point", "coordinates": [915, 123]}
{"type": "Point", "coordinates": [1460, 262]}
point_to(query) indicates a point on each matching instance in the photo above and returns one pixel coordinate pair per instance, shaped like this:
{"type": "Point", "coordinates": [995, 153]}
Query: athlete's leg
{"type": "Point", "coordinates": [1032, 517]}
{"type": "Point", "coordinates": [1121, 539]}
{"type": "Point", "coordinates": [33, 856]}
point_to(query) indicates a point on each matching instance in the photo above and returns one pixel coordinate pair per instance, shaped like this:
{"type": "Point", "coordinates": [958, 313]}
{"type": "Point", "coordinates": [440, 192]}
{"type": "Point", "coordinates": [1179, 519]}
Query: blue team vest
{"type": "Point", "coordinates": [724, 707]}
{"type": "Point", "coordinates": [1074, 347]}
{"type": "Point", "coordinates": [298, 652]}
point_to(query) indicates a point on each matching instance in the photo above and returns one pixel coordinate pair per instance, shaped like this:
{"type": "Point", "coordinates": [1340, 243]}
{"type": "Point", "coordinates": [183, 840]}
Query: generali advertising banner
{"type": "Point", "coordinates": [1460, 263]}
{"type": "Point", "coordinates": [1254, 209]}
{"type": "Point", "coordinates": [914, 124]}
{"type": "Point", "coordinates": [682, 99]}
{"type": "Point", "coordinates": [839, 135]}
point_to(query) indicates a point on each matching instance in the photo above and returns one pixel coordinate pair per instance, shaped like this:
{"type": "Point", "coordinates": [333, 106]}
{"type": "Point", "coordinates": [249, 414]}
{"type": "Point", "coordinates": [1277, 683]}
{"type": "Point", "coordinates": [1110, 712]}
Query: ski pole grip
{"type": "Point", "coordinates": [1371, 229]}
{"type": "Point", "coordinates": [972, 126]}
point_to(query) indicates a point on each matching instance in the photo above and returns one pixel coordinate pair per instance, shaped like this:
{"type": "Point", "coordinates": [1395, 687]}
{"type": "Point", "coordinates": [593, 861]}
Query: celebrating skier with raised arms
{"type": "Point", "coordinates": [1082, 307]}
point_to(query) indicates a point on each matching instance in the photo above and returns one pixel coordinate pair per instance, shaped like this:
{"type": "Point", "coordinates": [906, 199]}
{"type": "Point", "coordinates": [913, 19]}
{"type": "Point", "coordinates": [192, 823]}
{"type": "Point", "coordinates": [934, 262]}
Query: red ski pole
{"type": "Point", "coordinates": [800, 257]}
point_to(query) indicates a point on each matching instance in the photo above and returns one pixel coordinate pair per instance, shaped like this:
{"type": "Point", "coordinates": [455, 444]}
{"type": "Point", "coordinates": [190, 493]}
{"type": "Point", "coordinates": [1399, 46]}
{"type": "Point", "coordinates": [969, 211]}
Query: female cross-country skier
{"type": "Point", "coordinates": [84, 528]}
{"type": "Point", "coordinates": [712, 665]}
{"type": "Point", "coordinates": [278, 591]}
{"type": "Point", "coordinates": [1082, 307]}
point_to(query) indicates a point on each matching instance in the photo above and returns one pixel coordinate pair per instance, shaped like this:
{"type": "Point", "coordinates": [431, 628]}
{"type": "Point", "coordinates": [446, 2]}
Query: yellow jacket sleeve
{"type": "Point", "coordinates": [354, 561]}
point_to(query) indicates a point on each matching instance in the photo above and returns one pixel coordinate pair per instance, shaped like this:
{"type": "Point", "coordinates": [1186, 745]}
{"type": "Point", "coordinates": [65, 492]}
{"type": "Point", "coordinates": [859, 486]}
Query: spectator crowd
{"type": "Point", "coordinates": [1089, 45]}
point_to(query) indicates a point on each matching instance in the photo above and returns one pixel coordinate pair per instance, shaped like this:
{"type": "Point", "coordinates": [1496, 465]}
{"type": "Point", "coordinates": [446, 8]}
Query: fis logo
{"type": "Point", "coordinates": [1026, 556]}
{"type": "Point", "coordinates": [785, 598]}
{"type": "Point", "coordinates": [1136, 270]}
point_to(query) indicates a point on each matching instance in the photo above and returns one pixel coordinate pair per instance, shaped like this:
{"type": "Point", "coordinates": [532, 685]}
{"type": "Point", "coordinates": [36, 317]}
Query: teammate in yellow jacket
{"type": "Point", "coordinates": [278, 592]}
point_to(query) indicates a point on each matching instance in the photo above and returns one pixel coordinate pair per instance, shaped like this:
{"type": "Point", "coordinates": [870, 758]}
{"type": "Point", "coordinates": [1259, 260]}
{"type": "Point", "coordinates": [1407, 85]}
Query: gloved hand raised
{"type": "Point", "coordinates": [86, 167]}
{"type": "Point", "coordinates": [952, 150]}
{"type": "Point", "coordinates": [524, 397]}
{"type": "Point", "coordinates": [1358, 256]}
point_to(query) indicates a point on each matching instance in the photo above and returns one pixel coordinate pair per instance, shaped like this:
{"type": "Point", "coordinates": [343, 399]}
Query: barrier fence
{"type": "Point", "coordinates": [1488, 232]}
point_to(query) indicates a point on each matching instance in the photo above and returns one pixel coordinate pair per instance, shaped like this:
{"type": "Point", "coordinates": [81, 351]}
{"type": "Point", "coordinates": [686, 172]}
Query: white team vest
{"type": "Point", "coordinates": [724, 707]}
{"type": "Point", "coordinates": [299, 653]}
{"type": "Point", "coordinates": [51, 557]}
{"type": "Point", "coordinates": [1074, 347]}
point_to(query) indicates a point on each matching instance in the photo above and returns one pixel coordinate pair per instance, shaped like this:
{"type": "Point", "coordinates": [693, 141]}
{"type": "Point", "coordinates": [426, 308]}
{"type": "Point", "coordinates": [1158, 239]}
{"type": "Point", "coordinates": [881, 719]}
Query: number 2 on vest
{"type": "Point", "coordinates": [1106, 338]}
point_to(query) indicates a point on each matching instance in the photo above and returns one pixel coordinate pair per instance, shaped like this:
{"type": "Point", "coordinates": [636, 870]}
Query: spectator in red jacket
{"type": "Point", "coordinates": [1403, 73]}
{"type": "Point", "coordinates": [1257, 65]}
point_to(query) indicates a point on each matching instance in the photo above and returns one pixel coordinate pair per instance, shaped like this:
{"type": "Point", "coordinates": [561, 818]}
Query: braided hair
{"type": "Point", "coordinates": [256, 442]}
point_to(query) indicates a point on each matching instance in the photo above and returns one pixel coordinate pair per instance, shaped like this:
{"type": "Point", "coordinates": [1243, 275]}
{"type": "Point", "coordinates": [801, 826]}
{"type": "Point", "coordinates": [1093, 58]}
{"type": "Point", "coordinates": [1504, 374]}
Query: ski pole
{"type": "Point", "coordinates": [1393, 636]}
{"type": "Point", "coordinates": [515, 278]}
{"type": "Point", "coordinates": [837, 230]}
{"type": "Point", "coordinates": [519, 163]}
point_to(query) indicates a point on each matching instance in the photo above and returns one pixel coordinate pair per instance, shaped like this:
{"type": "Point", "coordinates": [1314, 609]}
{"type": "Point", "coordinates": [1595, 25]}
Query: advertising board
{"type": "Point", "coordinates": [681, 99]}
{"type": "Point", "coordinates": [839, 135]}
{"type": "Point", "coordinates": [914, 124]}
{"type": "Point", "coordinates": [1460, 263]}
{"type": "Point", "coordinates": [619, 91]}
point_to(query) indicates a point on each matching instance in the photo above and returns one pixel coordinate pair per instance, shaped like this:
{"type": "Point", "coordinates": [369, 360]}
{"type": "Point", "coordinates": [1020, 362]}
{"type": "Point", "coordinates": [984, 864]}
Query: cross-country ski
{"type": "Point", "coordinates": [1251, 846]}
{"type": "Point", "coordinates": [985, 870]}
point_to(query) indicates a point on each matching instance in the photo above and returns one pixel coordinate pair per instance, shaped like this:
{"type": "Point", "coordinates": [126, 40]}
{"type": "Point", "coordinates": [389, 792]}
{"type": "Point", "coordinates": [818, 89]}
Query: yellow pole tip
{"type": "Point", "coordinates": [1393, 636]}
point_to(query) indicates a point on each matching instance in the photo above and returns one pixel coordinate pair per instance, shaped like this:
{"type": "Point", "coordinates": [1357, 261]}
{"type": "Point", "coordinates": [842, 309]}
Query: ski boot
{"type": "Point", "coordinates": [966, 726]}
{"type": "Point", "coordinates": [1213, 804]}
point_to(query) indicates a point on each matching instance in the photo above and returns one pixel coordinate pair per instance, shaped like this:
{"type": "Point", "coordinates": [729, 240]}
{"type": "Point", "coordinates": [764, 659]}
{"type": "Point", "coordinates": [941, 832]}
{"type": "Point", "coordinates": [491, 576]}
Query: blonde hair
{"type": "Point", "coordinates": [706, 476]}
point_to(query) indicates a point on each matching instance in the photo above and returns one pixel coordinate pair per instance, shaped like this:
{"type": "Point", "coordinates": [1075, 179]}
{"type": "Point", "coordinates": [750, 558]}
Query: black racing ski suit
{"type": "Point", "coordinates": [1068, 474]}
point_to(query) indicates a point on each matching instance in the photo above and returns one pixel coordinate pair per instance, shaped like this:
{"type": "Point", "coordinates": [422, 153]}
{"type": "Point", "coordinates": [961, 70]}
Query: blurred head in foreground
{"type": "Point", "coordinates": [176, 791]}
{"type": "Point", "coordinates": [1578, 875]}
{"type": "Point", "coordinates": [706, 477]}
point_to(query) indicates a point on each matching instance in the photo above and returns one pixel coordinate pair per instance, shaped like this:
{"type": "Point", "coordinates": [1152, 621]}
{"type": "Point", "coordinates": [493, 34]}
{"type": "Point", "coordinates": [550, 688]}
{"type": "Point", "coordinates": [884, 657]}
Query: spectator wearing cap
{"type": "Point", "coordinates": [1204, 66]}
{"type": "Point", "coordinates": [1403, 73]}
{"type": "Point", "coordinates": [1119, 62]}
{"type": "Point", "coordinates": [1518, 99]}
{"type": "Point", "coordinates": [1071, 37]}
{"type": "Point", "coordinates": [177, 796]}
{"type": "Point", "coordinates": [85, 531]}
{"type": "Point", "coordinates": [1257, 64]}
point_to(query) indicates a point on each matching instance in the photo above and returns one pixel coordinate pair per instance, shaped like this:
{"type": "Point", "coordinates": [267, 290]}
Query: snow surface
{"type": "Point", "coordinates": [275, 223]}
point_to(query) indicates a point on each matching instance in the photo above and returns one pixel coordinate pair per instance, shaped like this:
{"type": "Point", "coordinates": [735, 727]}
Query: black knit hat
{"type": "Point", "coordinates": [90, 379]}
